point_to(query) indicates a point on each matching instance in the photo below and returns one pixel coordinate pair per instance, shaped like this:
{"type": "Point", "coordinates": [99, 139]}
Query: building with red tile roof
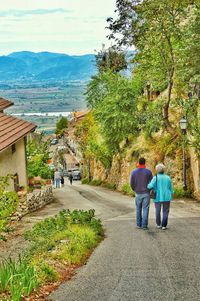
{"type": "Point", "coordinates": [13, 133]}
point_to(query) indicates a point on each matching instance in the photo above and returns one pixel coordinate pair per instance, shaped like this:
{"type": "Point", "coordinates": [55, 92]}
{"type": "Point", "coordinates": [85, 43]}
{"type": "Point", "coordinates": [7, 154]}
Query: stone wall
{"type": "Point", "coordinates": [121, 168]}
{"type": "Point", "coordinates": [34, 201]}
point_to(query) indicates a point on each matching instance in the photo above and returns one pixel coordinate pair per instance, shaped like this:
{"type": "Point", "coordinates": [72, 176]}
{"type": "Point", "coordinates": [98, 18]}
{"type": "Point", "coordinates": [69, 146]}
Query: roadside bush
{"type": "Point", "coordinates": [109, 185]}
{"type": "Point", "coordinates": [180, 193]}
{"type": "Point", "coordinates": [55, 243]}
{"type": "Point", "coordinates": [96, 182]}
{"type": "Point", "coordinates": [85, 181]}
{"type": "Point", "coordinates": [126, 188]}
{"type": "Point", "coordinates": [8, 204]}
{"type": "Point", "coordinates": [46, 273]}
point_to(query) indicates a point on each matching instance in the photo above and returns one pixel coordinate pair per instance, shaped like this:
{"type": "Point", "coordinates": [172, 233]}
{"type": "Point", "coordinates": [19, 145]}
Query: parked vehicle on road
{"type": "Point", "coordinates": [54, 141]}
{"type": "Point", "coordinates": [76, 174]}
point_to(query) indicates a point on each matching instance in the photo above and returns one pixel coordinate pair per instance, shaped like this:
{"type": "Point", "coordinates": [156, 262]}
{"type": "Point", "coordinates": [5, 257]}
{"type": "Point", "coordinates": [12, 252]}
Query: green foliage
{"type": "Point", "coordinates": [180, 193]}
{"type": "Point", "coordinates": [38, 155]}
{"type": "Point", "coordinates": [99, 183]}
{"type": "Point", "coordinates": [46, 273]}
{"type": "Point", "coordinates": [90, 141]}
{"type": "Point", "coordinates": [8, 204]}
{"type": "Point", "coordinates": [85, 181]}
{"type": "Point", "coordinates": [96, 182]}
{"type": "Point", "coordinates": [47, 228]}
{"type": "Point", "coordinates": [112, 59]}
{"type": "Point", "coordinates": [18, 278]}
{"type": "Point", "coordinates": [109, 185]}
{"type": "Point", "coordinates": [61, 126]}
{"type": "Point", "coordinates": [115, 108]}
{"type": "Point", "coordinates": [165, 35]}
{"type": "Point", "coordinates": [82, 240]}
{"type": "Point", "coordinates": [126, 188]}
{"type": "Point", "coordinates": [151, 117]}
{"type": "Point", "coordinates": [68, 237]}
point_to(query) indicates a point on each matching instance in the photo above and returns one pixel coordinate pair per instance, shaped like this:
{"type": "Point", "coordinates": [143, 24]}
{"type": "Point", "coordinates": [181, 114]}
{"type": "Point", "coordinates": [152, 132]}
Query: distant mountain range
{"type": "Point", "coordinates": [43, 66]}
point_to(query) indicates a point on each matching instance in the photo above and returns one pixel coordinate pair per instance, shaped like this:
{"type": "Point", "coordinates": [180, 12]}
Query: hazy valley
{"type": "Point", "coordinates": [45, 83]}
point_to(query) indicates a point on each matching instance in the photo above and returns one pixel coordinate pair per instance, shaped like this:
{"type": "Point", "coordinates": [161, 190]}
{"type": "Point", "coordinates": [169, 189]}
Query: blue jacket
{"type": "Point", "coordinates": [163, 188]}
{"type": "Point", "coordinates": [140, 177]}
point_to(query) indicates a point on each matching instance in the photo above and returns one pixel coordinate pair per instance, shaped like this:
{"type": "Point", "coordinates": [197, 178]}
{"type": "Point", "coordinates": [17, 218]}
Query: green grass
{"type": "Point", "coordinates": [109, 185]}
{"type": "Point", "coordinates": [95, 182]}
{"type": "Point", "coordinates": [18, 278]}
{"type": "Point", "coordinates": [180, 193]}
{"type": "Point", "coordinates": [66, 238]}
{"type": "Point", "coordinates": [126, 188]}
{"type": "Point", "coordinates": [8, 205]}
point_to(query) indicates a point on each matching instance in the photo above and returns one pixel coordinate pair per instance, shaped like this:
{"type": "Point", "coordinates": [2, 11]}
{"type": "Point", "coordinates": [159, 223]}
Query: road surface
{"type": "Point", "coordinates": [133, 264]}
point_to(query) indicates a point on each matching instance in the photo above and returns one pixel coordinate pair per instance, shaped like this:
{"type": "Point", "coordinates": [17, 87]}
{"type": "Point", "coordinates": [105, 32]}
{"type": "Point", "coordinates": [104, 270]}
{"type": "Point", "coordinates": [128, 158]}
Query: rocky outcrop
{"type": "Point", "coordinates": [194, 162]}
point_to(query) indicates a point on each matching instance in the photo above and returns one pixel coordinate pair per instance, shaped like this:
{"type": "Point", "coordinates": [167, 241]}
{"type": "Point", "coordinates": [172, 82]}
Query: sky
{"type": "Point", "coordinates": [64, 26]}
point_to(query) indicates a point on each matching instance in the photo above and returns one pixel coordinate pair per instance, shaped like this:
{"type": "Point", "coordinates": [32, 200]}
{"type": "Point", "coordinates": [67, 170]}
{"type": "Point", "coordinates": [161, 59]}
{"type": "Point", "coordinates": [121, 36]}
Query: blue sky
{"type": "Point", "coordinates": [65, 26]}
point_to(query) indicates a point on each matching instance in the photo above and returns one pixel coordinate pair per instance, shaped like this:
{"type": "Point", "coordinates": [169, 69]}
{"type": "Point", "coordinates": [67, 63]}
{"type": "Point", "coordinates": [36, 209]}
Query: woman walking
{"type": "Point", "coordinates": [62, 181]}
{"type": "Point", "coordinates": [163, 188]}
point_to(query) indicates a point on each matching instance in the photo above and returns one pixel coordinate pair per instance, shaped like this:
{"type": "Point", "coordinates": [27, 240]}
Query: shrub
{"type": "Point", "coordinates": [46, 273]}
{"type": "Point", "coordinates": [85, 181]}
{"type": "Point", "coordinates": [68, 237]}
{"type": "Point", "coordinates": [109, 185]}
{"type": "Point", "coordinates": [96, 182]}
{"type": "Point", "coordinates": [126, 188]}
{"type": "Point", "coordinates": [179, 192]}
{"type": "Point", "coordinates": [8, 206]}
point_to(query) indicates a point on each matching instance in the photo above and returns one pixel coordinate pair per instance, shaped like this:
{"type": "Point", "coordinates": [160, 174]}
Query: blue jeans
{"type": "Point", "coordinates": [142, 202]}
{"type": "Point", "coordinates": [57, 183]}
{"type": "Point", "coordinates": [165, 209]}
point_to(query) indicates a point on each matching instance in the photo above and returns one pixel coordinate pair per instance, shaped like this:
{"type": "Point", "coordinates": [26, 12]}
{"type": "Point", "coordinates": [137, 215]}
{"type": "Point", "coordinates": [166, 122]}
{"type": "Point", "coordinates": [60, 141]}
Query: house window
{"type": "Point", "coordinates": [13, 147]}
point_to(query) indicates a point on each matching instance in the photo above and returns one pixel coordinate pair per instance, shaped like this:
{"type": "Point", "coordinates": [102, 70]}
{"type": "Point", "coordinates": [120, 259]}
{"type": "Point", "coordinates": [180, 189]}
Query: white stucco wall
{"type": "Point", "coordinates": [12, 163]}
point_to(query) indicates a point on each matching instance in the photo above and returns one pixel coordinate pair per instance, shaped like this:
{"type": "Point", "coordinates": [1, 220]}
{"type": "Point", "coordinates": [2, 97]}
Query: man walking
{"type": "Point", "coordinates": [140, 178]}
{"type": "Point", "coordinates": [70, 178]}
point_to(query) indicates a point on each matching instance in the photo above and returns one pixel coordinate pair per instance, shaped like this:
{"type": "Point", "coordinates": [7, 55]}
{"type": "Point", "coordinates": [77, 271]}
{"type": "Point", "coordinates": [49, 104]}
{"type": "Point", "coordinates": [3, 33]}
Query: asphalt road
{"type": "Point", "coordinates": [133, 264]}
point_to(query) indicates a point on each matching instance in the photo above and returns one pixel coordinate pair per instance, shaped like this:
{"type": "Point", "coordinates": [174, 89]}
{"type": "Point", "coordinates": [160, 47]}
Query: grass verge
{"type": "Point", "coordinates": [126, 189]}
{"type": "Point", "coordinates": [58, 245]}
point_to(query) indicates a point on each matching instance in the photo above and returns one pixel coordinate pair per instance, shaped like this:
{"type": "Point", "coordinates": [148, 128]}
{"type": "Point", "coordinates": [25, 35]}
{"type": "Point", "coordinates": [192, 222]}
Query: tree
{"type": "Point", "coordinates": [112, 97]}
{"type": "Point", "coordinates": [91, 142]}
{"type": "Point", "coordinates": [157, 28]}
{"type": "Point", "coordinates": [111, 59]}
{"type": "Point", "coordinates": [38, 155]}
{"type": "Point", "coordinates": [61, 126]}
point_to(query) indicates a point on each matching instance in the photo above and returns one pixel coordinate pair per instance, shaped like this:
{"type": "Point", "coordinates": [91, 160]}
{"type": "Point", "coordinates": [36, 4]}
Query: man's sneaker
{"type": "Point", "coordinates": [145, 228]}
{"type": "Point", "coordinates": [158, 227]}
{"type": "Point", "coordinates": [138, 227]}
{"type": "Point", "coordinates": [164, 228]}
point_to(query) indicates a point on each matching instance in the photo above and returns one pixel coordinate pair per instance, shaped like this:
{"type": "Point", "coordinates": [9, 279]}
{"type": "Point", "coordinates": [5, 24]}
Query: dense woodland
{"type": "Point", "coordinates": [140, 113]}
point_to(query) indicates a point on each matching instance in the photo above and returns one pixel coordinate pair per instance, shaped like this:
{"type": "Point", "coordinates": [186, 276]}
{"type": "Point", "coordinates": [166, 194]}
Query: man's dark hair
{"type": "Point", "coordinates": [142, 161]}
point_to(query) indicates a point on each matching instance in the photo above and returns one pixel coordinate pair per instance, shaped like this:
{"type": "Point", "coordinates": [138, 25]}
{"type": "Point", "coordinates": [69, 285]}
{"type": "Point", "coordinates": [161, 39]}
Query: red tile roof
{"type": "Point", "coordinates": [4, 103]}
{"type": "Point", "coordinates": [13, 129]}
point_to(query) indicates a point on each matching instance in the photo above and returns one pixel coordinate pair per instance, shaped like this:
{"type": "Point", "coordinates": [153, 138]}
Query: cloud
{"type": "Point", "coordinates": [27, 12]}
{"type": "Point", "coordinates": [76, 26]}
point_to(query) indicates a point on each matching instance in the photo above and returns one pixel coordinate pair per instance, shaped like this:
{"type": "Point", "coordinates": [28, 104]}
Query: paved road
{"type": "Point", "coordinates": [132, 264]}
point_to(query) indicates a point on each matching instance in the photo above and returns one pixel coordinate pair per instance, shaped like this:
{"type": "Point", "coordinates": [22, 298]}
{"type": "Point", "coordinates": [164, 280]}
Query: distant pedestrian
{"type": "Point", "coordinates": [163, 187]}
{"type": "Point", "coordinates": [62, 181]}
{"type": "Point", "coordinates": [140, 178]}
{"type": "Point", "coordinates": [57, 178]}
{"type": "Point", "coordinates": [71, 178]}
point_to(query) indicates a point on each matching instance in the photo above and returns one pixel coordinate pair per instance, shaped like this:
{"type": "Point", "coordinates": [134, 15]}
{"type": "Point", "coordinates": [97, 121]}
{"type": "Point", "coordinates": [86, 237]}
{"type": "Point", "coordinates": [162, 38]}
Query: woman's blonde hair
{"type": "Point", "coordinates": [160, 168]}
